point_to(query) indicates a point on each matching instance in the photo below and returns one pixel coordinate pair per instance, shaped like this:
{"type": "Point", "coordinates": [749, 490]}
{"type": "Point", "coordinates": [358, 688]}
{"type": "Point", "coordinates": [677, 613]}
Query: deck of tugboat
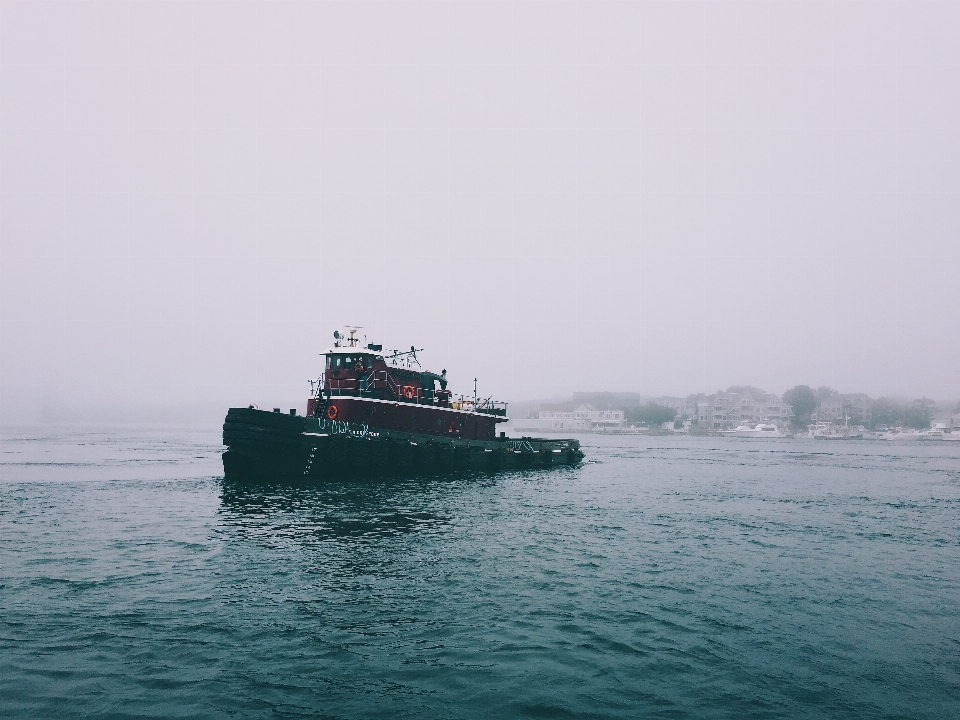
{"type": "Point", "coordinates": [459, 411]}
{"type": "Point", "coordinates": [318, 427]}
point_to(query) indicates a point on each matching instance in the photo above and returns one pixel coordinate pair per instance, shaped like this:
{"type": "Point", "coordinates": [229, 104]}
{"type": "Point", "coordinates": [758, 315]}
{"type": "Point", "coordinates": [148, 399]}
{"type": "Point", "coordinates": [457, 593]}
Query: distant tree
{"type": "Point", "coordinates": [803, 401]}
{"type": "Point", "coordinates": [823, 392]}
{"type": "Point", "coordinates": [886, 412]}
{"type": "Point", "coordinates": [917, 416]}
{"type": "Point", "coordinates": [740, 389]}
{"type": "Point", "coordinates": [927, 403]}
{"type": "Point", "coordinates": [651, 414]}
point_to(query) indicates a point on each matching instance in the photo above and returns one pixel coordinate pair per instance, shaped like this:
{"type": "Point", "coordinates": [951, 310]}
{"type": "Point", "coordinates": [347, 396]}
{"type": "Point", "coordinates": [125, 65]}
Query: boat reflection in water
{"type": "Point", "coordinates": [313, 510]}
{"type": "Point", "coordinates": [329, 510]}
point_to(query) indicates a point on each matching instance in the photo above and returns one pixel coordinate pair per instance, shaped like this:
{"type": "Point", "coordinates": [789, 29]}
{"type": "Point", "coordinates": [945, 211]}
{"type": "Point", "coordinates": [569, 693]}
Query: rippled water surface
{"type": "Point", "coordinates": [666, 577]}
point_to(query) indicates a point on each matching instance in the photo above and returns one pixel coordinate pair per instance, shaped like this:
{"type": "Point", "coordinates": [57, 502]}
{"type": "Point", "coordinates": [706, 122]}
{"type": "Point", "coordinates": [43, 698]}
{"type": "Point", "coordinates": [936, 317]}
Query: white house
{"type": "Point", "coordinates": [583, 419]}
{"type": "Point", "coordinates": [726, 408]}
{"type": "Point", "coordinates": [855, 407]}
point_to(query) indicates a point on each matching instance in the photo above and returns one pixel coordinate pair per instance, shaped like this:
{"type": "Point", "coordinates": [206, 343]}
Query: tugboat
{"type": "Point", "coordinates": [376, 413]}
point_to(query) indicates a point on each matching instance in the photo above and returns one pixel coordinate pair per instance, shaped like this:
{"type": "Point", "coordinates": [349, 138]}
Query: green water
{"type": "Point", "coordinates": [665, 577]}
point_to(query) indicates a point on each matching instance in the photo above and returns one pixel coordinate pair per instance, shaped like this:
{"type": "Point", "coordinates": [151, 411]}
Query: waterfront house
{"type": "Point", "coordinates": [727, 409]}
{"type": "Point", "coordinates": [840, 408]}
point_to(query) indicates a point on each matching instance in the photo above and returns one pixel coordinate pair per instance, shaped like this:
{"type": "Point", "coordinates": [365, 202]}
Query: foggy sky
{"type": "Point", "coordinates": [663, 197]}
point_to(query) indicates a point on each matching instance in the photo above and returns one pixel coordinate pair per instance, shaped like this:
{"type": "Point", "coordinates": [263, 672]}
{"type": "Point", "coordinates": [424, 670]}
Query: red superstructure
{"type": "Point", "coordinates": [364, 386]}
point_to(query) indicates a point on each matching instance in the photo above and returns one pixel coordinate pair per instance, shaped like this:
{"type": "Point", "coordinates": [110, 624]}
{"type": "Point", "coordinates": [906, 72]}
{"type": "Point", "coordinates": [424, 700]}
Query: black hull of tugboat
{"type": "Point", "coordinates": [270, 445]}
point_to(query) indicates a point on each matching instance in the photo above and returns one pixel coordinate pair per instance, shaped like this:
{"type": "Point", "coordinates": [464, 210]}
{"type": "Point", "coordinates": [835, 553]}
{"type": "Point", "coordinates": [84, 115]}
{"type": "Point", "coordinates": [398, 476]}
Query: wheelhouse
{"type": "Point", "coordinates": [350, 361]}
{"type": "Point", "coordinates": [351, 369]}
{"type": "Point", "coordinates": [370, 388]}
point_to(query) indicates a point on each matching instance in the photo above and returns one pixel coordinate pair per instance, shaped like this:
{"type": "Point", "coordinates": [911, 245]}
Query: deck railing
{"type": "Point", "coordinates": [370, 382]}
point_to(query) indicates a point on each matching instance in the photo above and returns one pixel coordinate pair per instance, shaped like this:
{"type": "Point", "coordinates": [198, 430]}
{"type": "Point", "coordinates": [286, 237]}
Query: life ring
{"type": "Point", "coordinates": [408, 392]}
{"type": "Point", "coordinates": [332, 412]}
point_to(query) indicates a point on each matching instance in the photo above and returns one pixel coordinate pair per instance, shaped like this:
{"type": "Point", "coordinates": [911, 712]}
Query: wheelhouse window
{"type": "Point", "coordinates": [349, 362]}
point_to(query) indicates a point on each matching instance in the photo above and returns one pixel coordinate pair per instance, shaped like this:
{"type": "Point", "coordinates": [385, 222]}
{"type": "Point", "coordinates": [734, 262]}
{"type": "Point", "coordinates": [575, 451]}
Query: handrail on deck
{"type": "Point", "coordinates": [382, 380]}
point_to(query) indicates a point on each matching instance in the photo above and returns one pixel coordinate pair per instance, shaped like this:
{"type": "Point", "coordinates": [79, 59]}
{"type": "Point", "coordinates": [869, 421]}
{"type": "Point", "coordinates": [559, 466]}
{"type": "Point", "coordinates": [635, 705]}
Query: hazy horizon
{"type": "Point", "coordinates": [663, 198]}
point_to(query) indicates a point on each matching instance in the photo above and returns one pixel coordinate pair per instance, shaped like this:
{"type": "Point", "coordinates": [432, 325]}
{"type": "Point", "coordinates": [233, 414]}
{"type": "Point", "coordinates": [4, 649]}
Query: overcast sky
{"type": "Point", "coordinates": [664, 197]}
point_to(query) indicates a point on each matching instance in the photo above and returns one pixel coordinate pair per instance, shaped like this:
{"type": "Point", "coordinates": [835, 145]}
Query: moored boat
{"type": "Point", "coordinates": [830, 431]}
{"type": "Point", "coordinates": [733, 432]}
{"type": "Point", "coordinates": [381, 413]}
{"type": "Point", "coordinates": [938, 432]}
{"type": "Point", "coordinates": [761, 430]}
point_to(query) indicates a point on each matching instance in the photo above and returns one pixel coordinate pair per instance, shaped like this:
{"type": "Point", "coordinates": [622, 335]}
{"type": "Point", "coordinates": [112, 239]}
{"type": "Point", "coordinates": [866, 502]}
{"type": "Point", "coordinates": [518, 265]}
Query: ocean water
{"type": "Point", "coordinates": [663, 578]}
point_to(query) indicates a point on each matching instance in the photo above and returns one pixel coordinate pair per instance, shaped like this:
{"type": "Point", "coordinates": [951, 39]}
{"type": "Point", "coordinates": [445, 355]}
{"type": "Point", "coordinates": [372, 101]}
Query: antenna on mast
{"type": "Point", "coordinates": [407, 356]}
{"type": "Point", "coordinates": [353, 339]}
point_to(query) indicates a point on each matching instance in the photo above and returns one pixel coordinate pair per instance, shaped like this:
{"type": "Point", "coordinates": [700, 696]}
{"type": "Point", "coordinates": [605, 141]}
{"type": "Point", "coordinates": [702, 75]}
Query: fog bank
{"type": "Point", "coordinates": [663, 198]}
